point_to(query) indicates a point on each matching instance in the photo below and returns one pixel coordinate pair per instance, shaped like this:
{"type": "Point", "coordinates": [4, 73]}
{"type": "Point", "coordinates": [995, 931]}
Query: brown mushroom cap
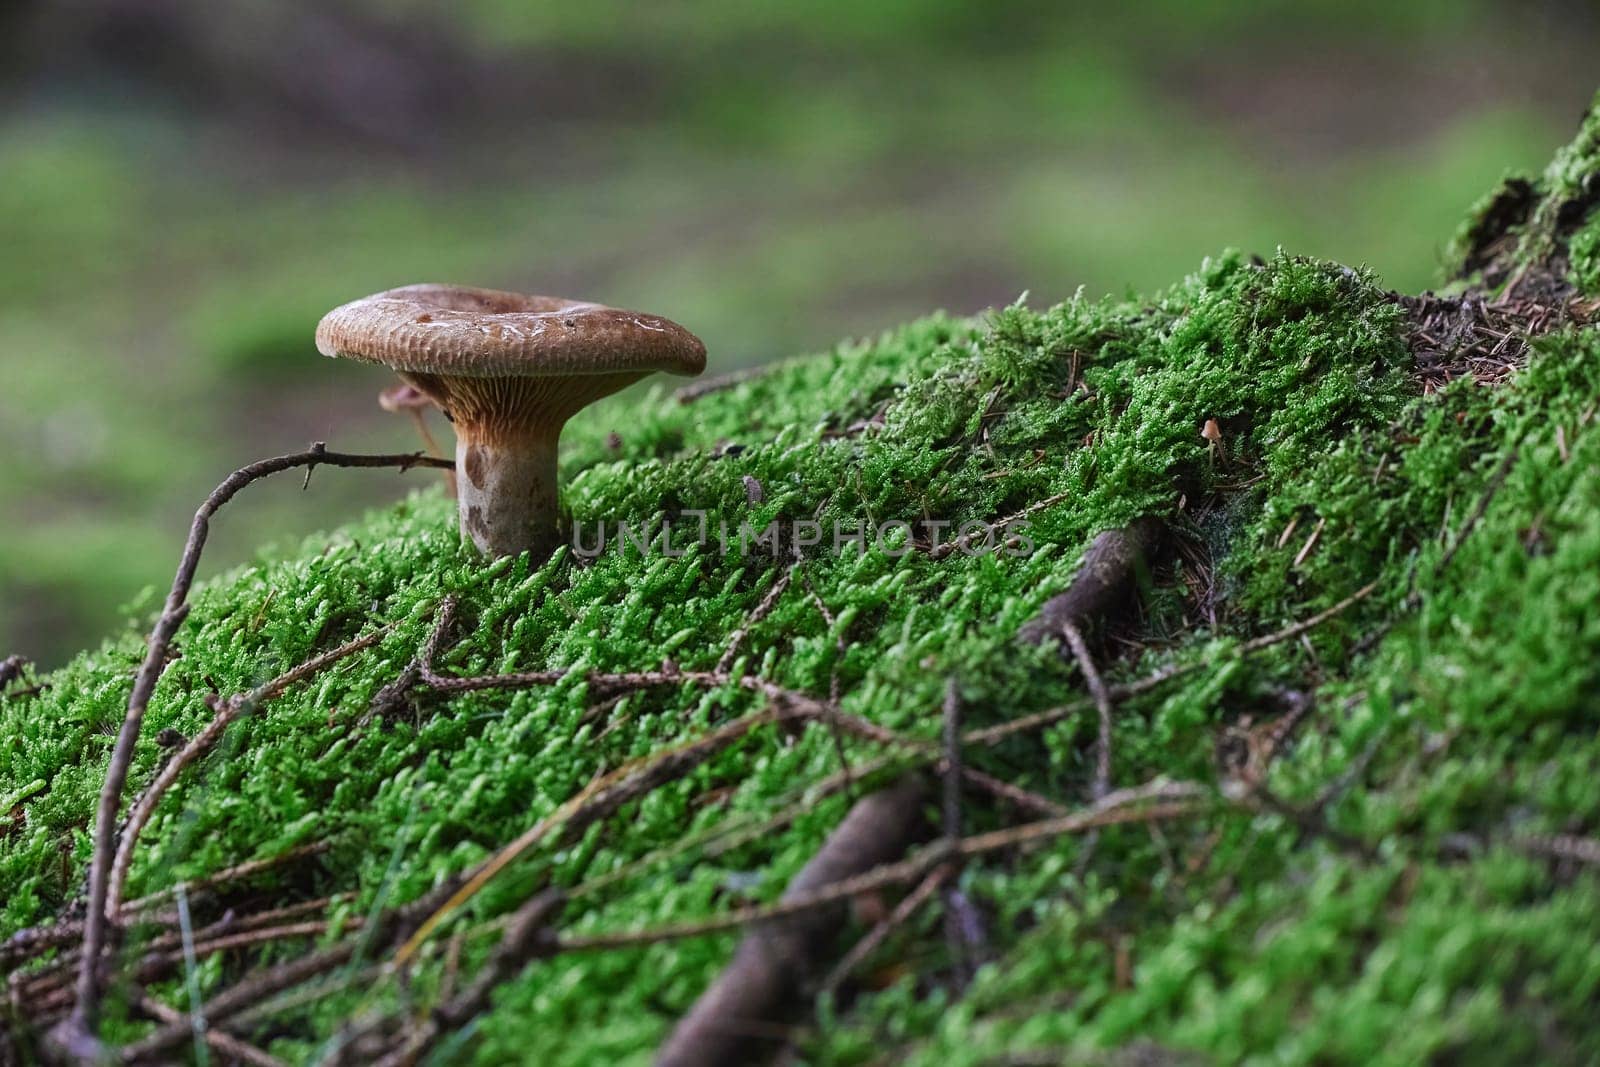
{"type": "Point", "coordinates": [463, 332]}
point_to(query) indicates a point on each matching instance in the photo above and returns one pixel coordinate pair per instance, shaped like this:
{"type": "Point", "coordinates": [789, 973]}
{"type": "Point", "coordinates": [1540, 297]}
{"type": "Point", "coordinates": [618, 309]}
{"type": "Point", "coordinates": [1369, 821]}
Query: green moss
{"type": "Point", "coordinates": [1468, 719]}
{"type": "Point", "coordinates": [1549, 223]}
{"type": "Point", "coordinates": [1585, 252]}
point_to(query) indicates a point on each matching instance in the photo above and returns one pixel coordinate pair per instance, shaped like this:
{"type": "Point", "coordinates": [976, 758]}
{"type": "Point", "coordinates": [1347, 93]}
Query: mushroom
{"type": "Point", "coordinates": [409, 399]}
{"type": "Point", "coordinates": [508, 370]}
{"type": "Point", "coordinates": [1213, 437]}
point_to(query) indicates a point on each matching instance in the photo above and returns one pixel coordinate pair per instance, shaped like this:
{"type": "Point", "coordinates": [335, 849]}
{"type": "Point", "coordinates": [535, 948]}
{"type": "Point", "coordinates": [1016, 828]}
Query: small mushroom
{"type": "Point", "coordinates": [410, 399]}
{"type": "Point", "coordinates": [508, 370]}
{"type": "Point", "coordinates": [1213, 437]}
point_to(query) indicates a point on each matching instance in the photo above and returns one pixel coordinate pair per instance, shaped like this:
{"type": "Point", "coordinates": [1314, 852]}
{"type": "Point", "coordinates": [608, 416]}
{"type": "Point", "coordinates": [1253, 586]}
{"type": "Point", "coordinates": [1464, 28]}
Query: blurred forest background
{"type": "Point", "coordinates": [186, 187]}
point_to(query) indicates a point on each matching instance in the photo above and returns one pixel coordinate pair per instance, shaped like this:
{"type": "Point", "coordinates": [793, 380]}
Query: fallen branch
{"type": "Point", "coordinates": [1112, 562]}
{"type": "Point", "coordinates": [775, 958]}
{"type": "Point", "coordinates": [76, 1036]}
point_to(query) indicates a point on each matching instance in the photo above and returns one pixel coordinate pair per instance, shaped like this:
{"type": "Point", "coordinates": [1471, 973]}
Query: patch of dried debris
{"type": "Point", "coordinates": [1486, 337]}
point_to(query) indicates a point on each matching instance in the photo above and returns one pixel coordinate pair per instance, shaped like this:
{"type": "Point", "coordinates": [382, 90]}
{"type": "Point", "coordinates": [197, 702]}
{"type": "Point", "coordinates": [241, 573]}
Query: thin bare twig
{"type": "Point", "coordinates": [1289, 633]}
{"type": "Point", "coordinates": [227, 712]}
{"type": "Point", "coordinates": [1102, 703]}
{"type": "Point", "coordinates": [220, 1040]}
{"type": "Point", "coordinates": [963, 541]}
{"type": "Point", "coordinates": [1358, 767]}
{"type": "Point", "coordinates": [164, 951]}
{"type": "Point", "coordinates": [690, 393]}
{"type": "Point", "coordinates": [1156, 801]}
{"type": "Point", "coordinates": [875, 937]}
{"type": "Point", "coordinates": [77, 1038]}
{"type": "Point", "coordinates": [260, 985]}
{"type": "Point", "coordinates": [238, 872]}
{"type": "Point", "coordinates": [1560, 846]}
{"type": "Point", "coordinates": [1122, 691]}
{"type": "Point", "coordinates": [395, 1041]}
{"type": "Point", "coordinates": [597, 800]}
{"type": "Point", "coordinates": [950, 730]}
{"type": "Point", "coordinates": [839, 650]}
{"type": "Point", "coordinates": [1012, 793]}
{"type": "Point", "coordinates": [762, 610]}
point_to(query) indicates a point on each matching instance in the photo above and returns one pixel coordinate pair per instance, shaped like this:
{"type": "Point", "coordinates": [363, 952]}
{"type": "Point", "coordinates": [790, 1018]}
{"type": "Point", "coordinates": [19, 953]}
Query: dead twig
{"type": "Point", "coordinates": [596, 801]}
{"type": "Point", "coordinates": [1101, 783]}
{"type": "Point", "coordinates": [35, 939]}
{"type": "Point", "coordinates": [839, 651]}
{"type": "Point", "coordinates": [163, 952]}
{"type": "Point", "coordinates": [221, 1040]}
{"type": "Point", "coordinates": [1102, 703]}
{"type": "Point", "coordinates": [1584, 850]}
{"type": "Point", "coordinates": [227, 712]}
{"type": "Point", "coordinates": [396, 1041]}
{"type": "Point", "coordinates": [792, 705]}
{"type": "Point", "coordinates": [259, 985]}
{"type": "Point", "coordinates": [1013, 794]}
{"type": "Point", "coordinates": [688, 394]}
{"type": "Point", "coordinates": [1294, 630]}
{"type": "Point", "coordinates": [962, 542]}
{"type": "Point", "coordinates": [76, 1035]}
{"type": "Point", "coordinates": [874, 938]}
{"type": "Point", "coordinates": [228, 875]}
{"type": "Point", "coordinates": [1113, 560]}
{"type": "Point", "coordinates": [1496, 480]}
{"type": "Point", "coordinates": [955, 931]}
{"type": "Point", "coordinates": [774, 958]}
{"type": "Point", "coordinates": [762, 610]}
{"type": "Point", "coordinates": [1158, 800]}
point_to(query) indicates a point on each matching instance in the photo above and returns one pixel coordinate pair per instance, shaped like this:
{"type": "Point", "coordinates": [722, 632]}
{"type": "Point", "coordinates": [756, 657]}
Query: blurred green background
{"type": "Point", "coordinates": [186, 187]}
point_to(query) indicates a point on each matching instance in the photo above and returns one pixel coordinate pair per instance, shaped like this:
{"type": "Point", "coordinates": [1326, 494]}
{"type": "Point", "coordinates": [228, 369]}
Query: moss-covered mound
{"type": "Point", "coordinates": [1392, 868]}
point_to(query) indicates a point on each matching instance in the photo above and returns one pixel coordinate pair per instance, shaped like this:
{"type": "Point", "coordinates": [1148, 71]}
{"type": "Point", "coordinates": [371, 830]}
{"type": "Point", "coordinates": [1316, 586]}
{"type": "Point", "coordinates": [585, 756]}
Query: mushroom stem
{"type": "Point", "coordinates": [506, 492]}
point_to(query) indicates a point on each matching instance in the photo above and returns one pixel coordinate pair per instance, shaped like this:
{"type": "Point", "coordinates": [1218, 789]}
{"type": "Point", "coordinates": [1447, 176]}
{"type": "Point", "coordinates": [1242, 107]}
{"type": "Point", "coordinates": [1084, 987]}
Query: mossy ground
{"type": "Point", "coordinates": [1458, 697]}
